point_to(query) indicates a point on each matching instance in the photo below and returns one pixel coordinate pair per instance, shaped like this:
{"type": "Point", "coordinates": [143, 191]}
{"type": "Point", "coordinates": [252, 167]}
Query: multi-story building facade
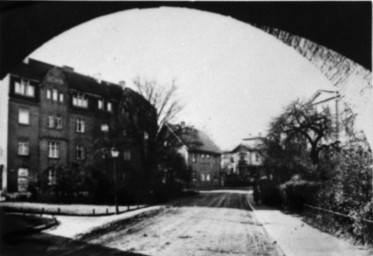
{"type": "Point", "coordinates": [54, 117]}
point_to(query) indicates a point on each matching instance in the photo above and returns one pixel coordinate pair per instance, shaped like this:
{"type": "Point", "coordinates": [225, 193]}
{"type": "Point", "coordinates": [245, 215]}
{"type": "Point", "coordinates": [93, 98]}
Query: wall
{"type": "Point", "coordinates": [4, 98]}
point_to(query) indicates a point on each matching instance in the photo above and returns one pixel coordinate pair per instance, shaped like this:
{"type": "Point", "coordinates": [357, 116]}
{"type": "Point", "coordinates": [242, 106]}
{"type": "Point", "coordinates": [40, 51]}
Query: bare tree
{"type": "Point", "coordinates": [301, 119]}
{"type": "Point", "coordinates": [162, 98]}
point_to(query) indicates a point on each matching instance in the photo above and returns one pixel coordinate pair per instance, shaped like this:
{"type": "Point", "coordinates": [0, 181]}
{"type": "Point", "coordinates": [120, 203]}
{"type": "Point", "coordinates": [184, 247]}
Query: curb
{"type": "Point", "coordinates": [9, 209]}
{"type": "Point", "coordinates": [12, 237]}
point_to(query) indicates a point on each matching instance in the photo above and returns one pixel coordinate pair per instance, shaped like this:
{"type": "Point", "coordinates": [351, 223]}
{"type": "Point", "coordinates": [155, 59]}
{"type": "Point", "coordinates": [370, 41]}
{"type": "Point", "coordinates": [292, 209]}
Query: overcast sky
{"type": "Point", "coordinates": [232, 78]}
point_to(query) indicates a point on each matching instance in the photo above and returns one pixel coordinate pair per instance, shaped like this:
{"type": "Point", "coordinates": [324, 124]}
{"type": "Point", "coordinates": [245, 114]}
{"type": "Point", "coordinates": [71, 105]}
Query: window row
{"type": "Point", "coordinates": [54, 121]}
{"type": "Point", "coordinates": [54, 95]}
{"type": "Point", "coordinates": [54, 150]}
{"type": "Point", "coordinates": [101, 105]}
{"type": "Point", "coordinates": [80, 100]}
{"type": "Point", "coordinates": [23, 87]}
{"type": "Point", "coordinates": [204, 158]}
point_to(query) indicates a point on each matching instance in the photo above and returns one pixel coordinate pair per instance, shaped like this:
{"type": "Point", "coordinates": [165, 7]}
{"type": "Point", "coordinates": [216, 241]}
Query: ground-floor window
{"type": "Point", "coordinates": [202, 177]}
{"type": "Point", "coordinates": [52, 176]}
{"type": "Point", "coordinates": [208, 178]}
{"type": "Point", "coordinates": [23, 179]}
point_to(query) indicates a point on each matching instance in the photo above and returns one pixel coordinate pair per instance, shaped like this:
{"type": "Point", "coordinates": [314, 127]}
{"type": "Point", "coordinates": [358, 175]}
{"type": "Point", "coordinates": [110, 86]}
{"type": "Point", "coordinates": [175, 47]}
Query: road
{"type": "Point", "coordinates": [212, 223]}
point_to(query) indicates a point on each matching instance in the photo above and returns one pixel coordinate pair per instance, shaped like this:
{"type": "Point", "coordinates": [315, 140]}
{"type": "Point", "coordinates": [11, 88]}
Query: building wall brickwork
{"type": "Point", "coordinates": [55, 98]}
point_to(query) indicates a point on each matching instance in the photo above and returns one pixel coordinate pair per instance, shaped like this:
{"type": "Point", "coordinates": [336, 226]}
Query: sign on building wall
{"type": "Point", "coordinates": [22, 179]}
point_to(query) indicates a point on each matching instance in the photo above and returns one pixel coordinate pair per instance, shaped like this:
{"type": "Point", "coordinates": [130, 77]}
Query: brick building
{"type": "Point", "coordinates": [56, 115]}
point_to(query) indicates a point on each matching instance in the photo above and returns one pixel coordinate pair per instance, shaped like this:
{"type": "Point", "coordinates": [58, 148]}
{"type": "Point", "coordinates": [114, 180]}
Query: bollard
{"type": "Point", "coordinates": [58, 210]}
{"type": "Point", "coordinates": [128, 207]}
{"type": "Point", "coordinates": [107, 211]}
{"type": "Point", "coordinates": [93, 211]}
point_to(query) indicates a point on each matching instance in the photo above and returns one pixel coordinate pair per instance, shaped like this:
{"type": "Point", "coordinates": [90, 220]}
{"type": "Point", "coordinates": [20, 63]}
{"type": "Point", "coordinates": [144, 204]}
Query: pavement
{"type": "Point", "coordinates": [297, 238]}
{"type": "Point", "coordinates": [287, 231]}
{"type": "Point", "coordinates": [74, 226]}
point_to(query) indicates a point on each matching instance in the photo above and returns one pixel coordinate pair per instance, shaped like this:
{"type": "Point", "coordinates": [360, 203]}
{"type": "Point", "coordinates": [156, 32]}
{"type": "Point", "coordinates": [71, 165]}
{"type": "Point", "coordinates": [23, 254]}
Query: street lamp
{"type": "Point", "coordinates": [114, 155]}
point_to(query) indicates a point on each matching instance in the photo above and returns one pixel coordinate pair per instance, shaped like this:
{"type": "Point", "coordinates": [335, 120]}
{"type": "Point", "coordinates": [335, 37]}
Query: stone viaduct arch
{"type": "Point", "coordinates": [352, 80]}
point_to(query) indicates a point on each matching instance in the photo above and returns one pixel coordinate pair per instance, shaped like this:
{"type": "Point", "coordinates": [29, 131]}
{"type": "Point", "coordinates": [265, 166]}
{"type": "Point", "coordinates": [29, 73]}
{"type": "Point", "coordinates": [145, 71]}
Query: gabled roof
{"type": "Point", "coordinates": [37, 70]}
{"type": "Point", "coordinates": [197, 141]}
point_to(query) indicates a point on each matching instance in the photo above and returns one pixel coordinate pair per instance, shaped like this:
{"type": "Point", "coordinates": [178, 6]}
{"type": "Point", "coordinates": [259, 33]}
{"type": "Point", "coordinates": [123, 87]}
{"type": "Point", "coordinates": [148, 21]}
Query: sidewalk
{"type": "Point", "coordinates": [72, 226]}
{"type": "Point", "coordinates": [296, 238]}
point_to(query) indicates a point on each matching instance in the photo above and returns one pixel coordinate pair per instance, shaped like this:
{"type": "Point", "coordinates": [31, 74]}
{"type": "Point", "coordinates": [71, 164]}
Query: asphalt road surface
{"type": "Point", "coordinates": [212, 223]}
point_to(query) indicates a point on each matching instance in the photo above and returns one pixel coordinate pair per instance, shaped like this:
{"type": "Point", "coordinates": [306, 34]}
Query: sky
{"type": "Point", "coordinates": [232, 78]}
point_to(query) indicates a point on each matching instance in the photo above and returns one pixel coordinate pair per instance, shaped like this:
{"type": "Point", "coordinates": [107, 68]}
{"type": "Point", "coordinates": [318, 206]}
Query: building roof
{"type": "Point", "coordinates": [37, 70]}
{"type": "Point", "coordinates": [196, 140]}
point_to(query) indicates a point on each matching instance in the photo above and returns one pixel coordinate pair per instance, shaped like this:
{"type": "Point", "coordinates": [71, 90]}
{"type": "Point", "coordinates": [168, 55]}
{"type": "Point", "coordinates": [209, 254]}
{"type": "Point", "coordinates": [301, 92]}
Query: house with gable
{"type": "Point", "coordinates": [202, 156]}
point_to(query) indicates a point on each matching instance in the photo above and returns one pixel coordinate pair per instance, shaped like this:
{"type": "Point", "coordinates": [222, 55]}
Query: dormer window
{"type": "Point", "coordinates": [79, 100]}
{"type": "Point", "coordinates": [24, 88]}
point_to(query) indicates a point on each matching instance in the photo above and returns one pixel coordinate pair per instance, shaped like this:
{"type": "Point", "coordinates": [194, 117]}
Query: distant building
{"type": "Point", "coordinates": [55, 115]}
{"type": "Point", "coordinates": [203, 156]}
{"type": "Point", "coordinates": [245, 160]}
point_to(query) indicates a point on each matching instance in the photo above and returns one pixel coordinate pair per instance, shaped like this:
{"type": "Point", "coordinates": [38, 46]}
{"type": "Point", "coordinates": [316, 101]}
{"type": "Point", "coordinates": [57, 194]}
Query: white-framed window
{"type": "Point", "coordinates": [58, 120]}
{"type": "Point", "coordinates": [53, 149]}
{"type": "Point", "coordinates": [23, 148]}
{"type": "Point", "coordinates": [79, 152]}
{"type": "Point", "coordinates": [61, 97]}
{"type": "Point", "coordinates": [109, 106]}
{"type": "Point", "coordinates": [54, 95]}
{"type": "Point", "coordinates": [23, 174]}
{"type": "Point", "coordinates": [24, 88]}
{"type": "Point", "coordinates": [52, 176]}
{"type": "Point", "coordinates": [104, 127]}
{"type": "Point", "coordinates": [80, 125]}
{"type": "Point", "coordinates": [207, 158]}
{"type": "Point", "coordinates": [202, 158]}
{"type": "Point", "coordinates": [51, 122]}
{"type": "Point", "coordinates": [193, 158]}
{"type": "Point", "coordinates": [202, 177]}
{"type": "Point", "coordinates": [48, 94]}
{"type": "Point", "coordinates": [100, 104]}
{"type": "Point", "coordinates": [127, 155]}
{"type": "Point", "coordinates": [24, 116]}
{"type": "Point", "coordinates": [79, 100]}
{"type": "Point", "coordinates": [208, 178]}
{"type": "Point", "coordinates": [55, 122]}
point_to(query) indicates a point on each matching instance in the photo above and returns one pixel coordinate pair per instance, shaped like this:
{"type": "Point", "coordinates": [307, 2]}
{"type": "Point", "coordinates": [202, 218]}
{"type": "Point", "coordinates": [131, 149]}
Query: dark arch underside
{"type": "Point", "coordinates": [344, 27]}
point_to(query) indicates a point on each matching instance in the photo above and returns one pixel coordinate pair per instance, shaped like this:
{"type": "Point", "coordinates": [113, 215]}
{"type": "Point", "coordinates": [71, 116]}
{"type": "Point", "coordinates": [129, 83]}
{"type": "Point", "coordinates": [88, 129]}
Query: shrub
{"type": "Point", "coordinates": [296, 192]}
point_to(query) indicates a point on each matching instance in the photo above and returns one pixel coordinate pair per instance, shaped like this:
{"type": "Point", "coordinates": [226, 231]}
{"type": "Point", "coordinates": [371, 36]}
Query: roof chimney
{"type": "Point", "coordinates": [68, 69]}
{"type": "Point", "coordinates": [97, 77]}
{"type": "Point", "coordinates": [122, 83]}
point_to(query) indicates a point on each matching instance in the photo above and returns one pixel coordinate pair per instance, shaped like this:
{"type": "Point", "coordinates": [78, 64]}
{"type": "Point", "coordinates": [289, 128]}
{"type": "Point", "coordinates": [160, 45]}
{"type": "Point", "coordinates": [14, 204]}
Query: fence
{"type": "Point", "coordinates": [341, 224]}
